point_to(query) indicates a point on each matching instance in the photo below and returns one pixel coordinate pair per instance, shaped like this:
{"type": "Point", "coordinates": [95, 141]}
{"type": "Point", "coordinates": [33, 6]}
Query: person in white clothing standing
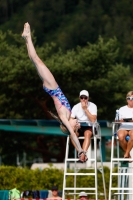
{"type": "Point", "coordinates": [126, 129]}
{"type": "Point", "coordinates": [86, 114]}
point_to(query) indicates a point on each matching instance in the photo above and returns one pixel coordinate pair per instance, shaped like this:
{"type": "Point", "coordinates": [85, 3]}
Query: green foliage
{"type": "Point", "coordinates": [93, 67]}
{"type": "Point", "coordinates": [71, 23]}
{"type": "Point", "coordinates": [16, 73]}
{"type": "Point", "coordinates": [26, 179]}
{"type": "Point", "coordinates": [99, 64]}
{"type": "Point", "coordinates": [89, 181]}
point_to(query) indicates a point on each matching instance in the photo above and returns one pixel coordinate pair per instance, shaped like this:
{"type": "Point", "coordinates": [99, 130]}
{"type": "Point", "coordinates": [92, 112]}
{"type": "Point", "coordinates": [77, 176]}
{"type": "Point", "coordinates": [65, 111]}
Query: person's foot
{"type": "Point", "coordinates": [26, 31]}
{"type": "Point", "coordinates": [82, 157]}
{"type": "Point", "coordinates": [127, 156]}
{"type": "Point", "coordinates": [85, 158]}
{"type": "Point", "coordinates": [130, 161]}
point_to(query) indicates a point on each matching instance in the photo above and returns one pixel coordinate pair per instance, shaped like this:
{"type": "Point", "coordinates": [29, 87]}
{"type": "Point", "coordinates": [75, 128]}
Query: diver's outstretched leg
{"type": "Point", "coordinates": [44, 73]}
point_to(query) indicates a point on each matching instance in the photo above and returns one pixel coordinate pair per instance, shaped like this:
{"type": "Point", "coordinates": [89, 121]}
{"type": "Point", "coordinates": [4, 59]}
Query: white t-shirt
{"type": "Point", "coordinates": [78, 112]}
{"type": "Point", "coordinates": [126, 112]}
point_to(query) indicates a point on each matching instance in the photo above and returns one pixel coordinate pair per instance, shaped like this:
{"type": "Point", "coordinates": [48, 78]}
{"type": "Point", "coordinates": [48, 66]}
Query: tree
{"type": "Point", "coordinates": [71, 23]}
{"type": "Point", "coordinates": [92, 67]}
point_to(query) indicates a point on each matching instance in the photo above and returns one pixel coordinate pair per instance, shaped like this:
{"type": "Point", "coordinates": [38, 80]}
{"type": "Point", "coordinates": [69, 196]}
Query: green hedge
{"type": "Point", "coordinates": [27, 179]}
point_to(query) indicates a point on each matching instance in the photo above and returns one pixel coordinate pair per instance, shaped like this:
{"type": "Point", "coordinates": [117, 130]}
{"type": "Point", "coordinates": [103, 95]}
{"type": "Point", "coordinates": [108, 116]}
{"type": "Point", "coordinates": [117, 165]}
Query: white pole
{"type": "Point", "coordinates": [131, 177]}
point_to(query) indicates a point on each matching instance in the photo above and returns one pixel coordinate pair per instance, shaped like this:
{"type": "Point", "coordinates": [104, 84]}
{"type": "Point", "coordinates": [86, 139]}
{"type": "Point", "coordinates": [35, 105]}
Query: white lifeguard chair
{"type": "Point", "coordinates": [124, 174]}
{"type": "Point", "coordinates": [74, 191]}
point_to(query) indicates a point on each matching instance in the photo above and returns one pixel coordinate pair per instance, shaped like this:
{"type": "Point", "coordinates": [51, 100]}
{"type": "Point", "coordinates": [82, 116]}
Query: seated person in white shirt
{"type": "Point", "coordinates": [126, 129]}
{"type": "Point", "coordinates": [86, 114]}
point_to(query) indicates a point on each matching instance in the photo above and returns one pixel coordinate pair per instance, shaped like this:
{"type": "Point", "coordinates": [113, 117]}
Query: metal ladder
{"type": "Point", "coordinates": [123, 191]}
{"type": "Point", "coordinates": [73, 191]}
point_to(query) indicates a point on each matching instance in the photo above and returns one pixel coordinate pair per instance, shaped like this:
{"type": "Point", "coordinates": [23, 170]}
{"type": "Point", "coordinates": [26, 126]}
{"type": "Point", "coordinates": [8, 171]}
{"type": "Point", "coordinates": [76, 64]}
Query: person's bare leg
{"type": "Point", "coordinates": [44, 73]}
{"type": "Point", "coordinates": [129, 144]}
{"type": "Point", "coordinates": [73, 142]}
{"type": "Point", "coordinates": [75, 126]}
{"type": "Point", "coordinates": [86, 143]}
{"type": "Point", "coordinates": [123, 143]}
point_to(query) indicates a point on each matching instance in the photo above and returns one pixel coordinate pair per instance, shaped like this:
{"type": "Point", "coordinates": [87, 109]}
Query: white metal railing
{"type": "Point", "coordinates": [66, 190]}
{"type": "Point", "coordinates": [124, 189]}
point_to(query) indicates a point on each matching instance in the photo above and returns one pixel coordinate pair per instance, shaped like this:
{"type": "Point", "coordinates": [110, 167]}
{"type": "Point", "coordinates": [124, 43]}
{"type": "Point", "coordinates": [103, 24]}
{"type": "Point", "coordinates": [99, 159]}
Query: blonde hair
{"type": "Point", "coordinates": [64, 129]}
{"type": "Point", "coordinates": [130, 93]}
{"type": "Point", "coordinates": [62, 126]}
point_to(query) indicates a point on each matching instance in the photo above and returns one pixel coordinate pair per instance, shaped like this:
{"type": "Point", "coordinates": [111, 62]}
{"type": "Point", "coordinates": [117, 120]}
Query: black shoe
{"type": "Point", "coordinates": [80, 161]}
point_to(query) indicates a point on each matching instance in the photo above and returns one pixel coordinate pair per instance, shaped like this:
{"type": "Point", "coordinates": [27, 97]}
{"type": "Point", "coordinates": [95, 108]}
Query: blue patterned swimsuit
{"type": "Point", "coordinates": [59, 94]}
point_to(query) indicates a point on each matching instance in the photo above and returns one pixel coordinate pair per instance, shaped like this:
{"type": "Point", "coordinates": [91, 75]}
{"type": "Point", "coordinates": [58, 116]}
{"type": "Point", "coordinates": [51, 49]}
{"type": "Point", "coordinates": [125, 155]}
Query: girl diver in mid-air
{"type": "Point", "coordinates": [51, 87]}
